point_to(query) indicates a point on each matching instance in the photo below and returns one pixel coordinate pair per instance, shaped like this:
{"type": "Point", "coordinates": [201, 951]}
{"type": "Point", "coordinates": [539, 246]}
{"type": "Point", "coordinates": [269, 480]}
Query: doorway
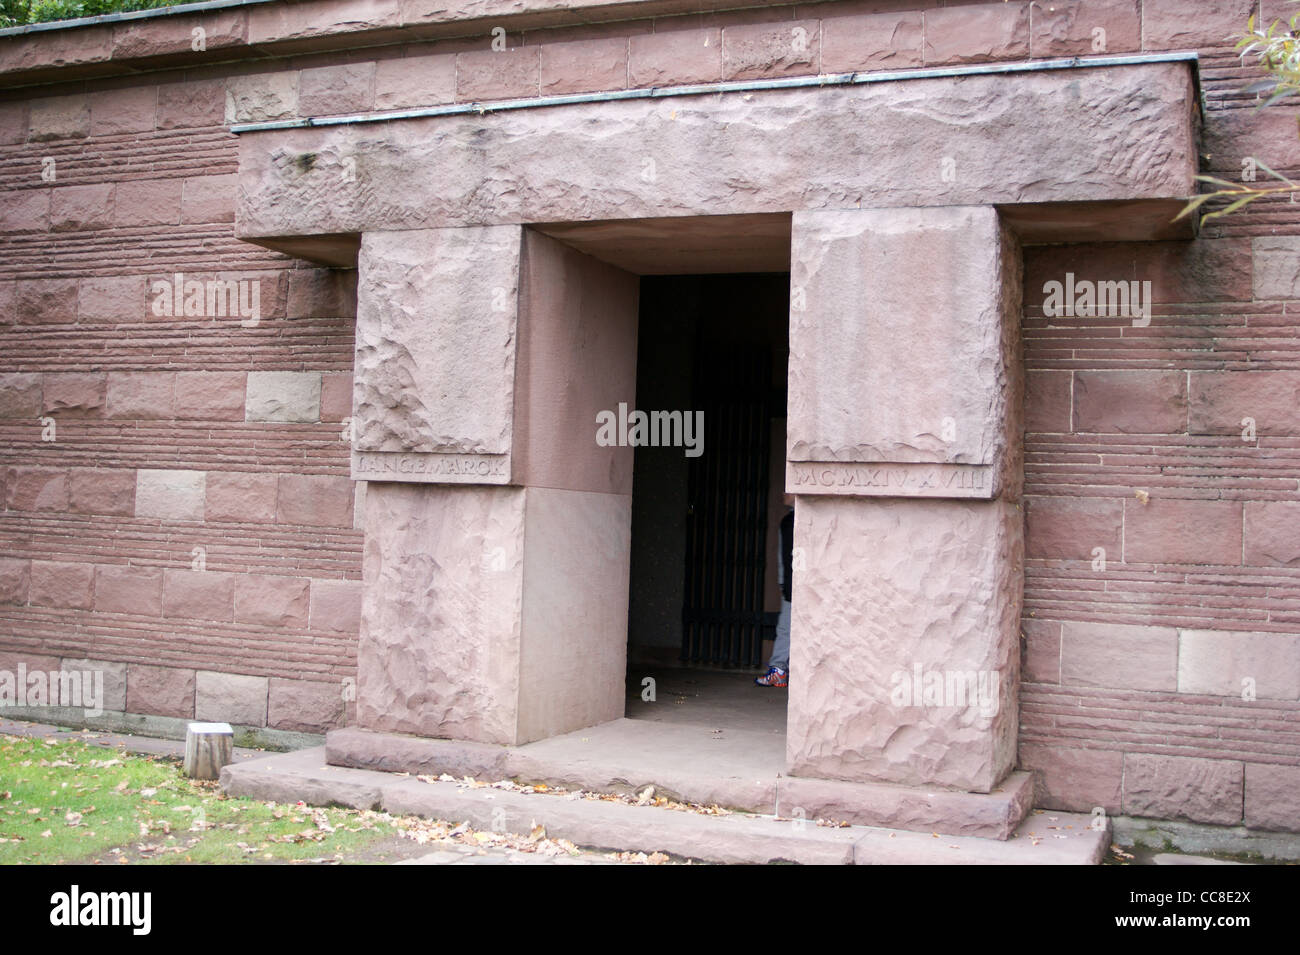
{"type": "Point", "coordinates": [704, 593]}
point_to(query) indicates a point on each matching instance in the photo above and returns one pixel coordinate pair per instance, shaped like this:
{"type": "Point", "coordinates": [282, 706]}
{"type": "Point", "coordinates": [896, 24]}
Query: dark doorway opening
{"type": "Point", "coordinates": [704, 590]}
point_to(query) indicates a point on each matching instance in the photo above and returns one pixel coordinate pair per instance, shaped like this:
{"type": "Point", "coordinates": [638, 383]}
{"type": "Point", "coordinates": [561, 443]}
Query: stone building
{"type": "Point", "coordinates": [308, 311]}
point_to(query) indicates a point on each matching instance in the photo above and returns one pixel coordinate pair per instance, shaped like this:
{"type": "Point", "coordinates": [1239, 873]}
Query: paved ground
{"type": "Point", "coordinates": [714, 698]}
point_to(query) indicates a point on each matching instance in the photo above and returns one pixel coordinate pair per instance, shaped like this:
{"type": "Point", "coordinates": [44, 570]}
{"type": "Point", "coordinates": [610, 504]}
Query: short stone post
{"type": "Point", "coordinates": [208, 747]}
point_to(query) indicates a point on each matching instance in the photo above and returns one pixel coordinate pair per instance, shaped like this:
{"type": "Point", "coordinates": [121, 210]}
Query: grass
{"type": "Point", "coordinates": [66, 801]}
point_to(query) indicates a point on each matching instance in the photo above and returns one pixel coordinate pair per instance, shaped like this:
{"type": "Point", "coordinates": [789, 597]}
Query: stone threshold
{"type": "Point", "coordinates": [735, 769]}
{"type": "Point", "coordinates": [737, 838]}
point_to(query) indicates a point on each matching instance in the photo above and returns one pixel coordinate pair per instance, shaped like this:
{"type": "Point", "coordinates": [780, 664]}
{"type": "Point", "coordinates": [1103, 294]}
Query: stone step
{"type": "Point", "coordinates": [1042, 839]}
{"type": "Point", "coordinates": [684, 762]}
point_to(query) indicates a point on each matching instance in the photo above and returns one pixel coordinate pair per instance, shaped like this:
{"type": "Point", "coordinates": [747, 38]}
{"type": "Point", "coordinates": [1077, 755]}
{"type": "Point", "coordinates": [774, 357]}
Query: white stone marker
{"type": "Point", "coordinates": [208, 747]}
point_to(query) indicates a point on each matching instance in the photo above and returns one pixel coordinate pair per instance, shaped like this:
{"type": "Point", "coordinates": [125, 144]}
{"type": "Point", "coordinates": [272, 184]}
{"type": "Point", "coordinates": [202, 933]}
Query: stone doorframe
{"type": "Point", "coordinates": [497, 530]}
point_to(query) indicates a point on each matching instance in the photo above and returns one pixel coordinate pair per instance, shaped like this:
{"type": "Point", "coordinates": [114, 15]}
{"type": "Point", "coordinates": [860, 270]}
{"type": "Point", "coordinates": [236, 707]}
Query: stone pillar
{"type": "Point", "coordinates": [497, 531]}
{"type": "Point", "coordinates": [904, 451]}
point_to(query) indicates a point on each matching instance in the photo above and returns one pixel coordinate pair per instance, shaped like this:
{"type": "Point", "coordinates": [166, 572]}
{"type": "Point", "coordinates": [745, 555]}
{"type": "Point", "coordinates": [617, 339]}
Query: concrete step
{"type": "Point", "coordinates": [1042, 839]}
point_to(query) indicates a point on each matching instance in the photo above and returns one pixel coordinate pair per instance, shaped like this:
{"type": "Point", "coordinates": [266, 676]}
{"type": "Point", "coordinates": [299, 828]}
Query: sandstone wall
{"type": "Point", "coordinates": [207, 432]}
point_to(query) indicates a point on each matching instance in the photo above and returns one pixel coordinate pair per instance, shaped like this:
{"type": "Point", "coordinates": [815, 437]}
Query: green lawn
{"type": "Point", "coordinates": [69, 801]}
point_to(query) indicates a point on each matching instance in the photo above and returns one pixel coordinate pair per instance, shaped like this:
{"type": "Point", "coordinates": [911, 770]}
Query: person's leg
{"type": "Point", "coordinates": [781, 647]}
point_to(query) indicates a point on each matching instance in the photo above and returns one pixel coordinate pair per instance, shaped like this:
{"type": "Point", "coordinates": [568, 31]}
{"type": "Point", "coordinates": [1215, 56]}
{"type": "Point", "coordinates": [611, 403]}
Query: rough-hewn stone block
{"type": "Point", "coordinates": [1075, 780]}
{"type": "Point", "coordinates": [1181, 787]}
{"type": "Point", "coordinates": [1172, 531]}
{"type": "Point", "coordinates": [1130, 402]}
{"type": "Point", "coordinates": [170, 495]}
{"type": "Point", "coordinates": [199, 595]}
{"type": "Point", "coordinates": [113, 676]}
{"type": "Point", "coordinates": [272, 601]}
{"type": "Point", "coordinates": [1119, 656]}
{"type": "Point", "coordinates": [1273, 797]}
{"type": "Point", "coordinates": [133, 590]}
{"type": "Point", "coordinates": [230, 698]}
{"type": "Point", "coordinates": [336, 605]}
{"type": "Point", "coordinates": [1220, 662]}
{"type": "Point", "coordinates": [62, 584]}
{"type": "Point", "coordinates": [160, 691]}
{"type": "Point", "coordinates": [306, 706]}
{"type": "Point", "coordinates": [675, 58]}
{"type": "Point", "coordinates": [240, 497]}
{"type": "Point", "coordinates": [874, 41]}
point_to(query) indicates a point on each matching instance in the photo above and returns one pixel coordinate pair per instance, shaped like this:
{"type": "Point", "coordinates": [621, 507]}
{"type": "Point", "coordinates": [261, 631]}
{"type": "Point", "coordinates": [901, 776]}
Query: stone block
{"type": "Point", "coordinates": [160, 691]}
{"type": "Point", "coordinates": [322, 293]}
{"type": "Point", "coordinates": [1272, 798]}
{"type": "Point", "coordinates": [872, 327]}
{"type": "Point", "coordinates": [873, 41]}
{"type": "Point", "coordinates": [1086, 28]}
{"type": "Point", "coordinates": [102, 491]}
{"type": "Point", "coordinates": [81, 208]}
{"type": "Point", "coordinates": [305, 706]}
{"type": "Point", "coordinates": [336, 398]}
{"type": "Point", "coordinates": [258, 98]}
{"type": "Point", "coordinates": [133, 590]}
{"type": "Point", "coordinates": [112, 674]}
{"type": "Point", "coordinates": [206, 199]}
{"type": "Point", "coordinates": [1119, 656]}
{"type": "Point", "coordinates": [1166, 24]}
{"type": "Point", "coordinates": [170, 495]}
{"type": "Point", "coordinates": [1075, 780]}
{"type": "Point", "coordinates": [68, 586]}
{"type": "Point", "coordinates": [1226, 663]}
{"type": "Point", "coordinates": [1272, 530]}
{"type": "Point", "coordinates": [492, 75]}
{"type": "Point", "coordinates": [1041, 660]}
{"type": "Point", "coordinates": [284, 396]}
{"type": "Point", "coordinates": [1047, 402]}
{"type": "Point", "coordinates": [125, 110]}
{"type": "Point", "coordinates": [319, 500]}
{"type": "Point", "coordinates": [581, 66]}
{"type": "Point", "coordinates": [436, 307]}
{"type": "Point", "coordinates": [977, 34]}
{"type": "Point", "coordinates": [440, 618]}
{"type": "Point", "coordinates": [924, 597]}
{"type": "Point", "coordinates": [192, 104]}
{"type": "Point", "coordinates": [1220, 402]}
{"type": "Point", "coordinates": [675, 58]}
{"type": "Point", "coordinates": [992, 815]}
{"type": "Point", "coordinates": [415, 81]}
{"type": "Point", "coordinates": [141, 395]}
{"type": "Point", "coordinates": [148, 202]}
{"type": "Point", "coordinates": [1173, 531]}
{"type": "Point", "coordinates": [267, 601]}
{"type": "Point", "coordinates": [1277, 266]}
{"type": "Point", "coordinates": [112, 298]}
{"type": "Point", "coordinates": [1072, 528]}
{"type": "Point", "coordinates": [1182, 787]}
{"type": "Point", "coordinates": [336, 605]}
{"type": "Point", "coordinates": [15, 580]}
{"type": "Point", "coordinates": [71, 394]}
{"type": "Point", "coordinates": [230, 698]}
{"type": "Point", "coordinates": [199, 595]}
{"type": "Point", "coordinates": [36, 489]}
{"type": "Point", "coordinates": [210, 395]}
{"type": "Point", "coordinates": [20, 395]}
{"type": "Point", "coordinates": [1130, 402]}
{"type": "Point", "coordinates": [752, 51]}
{"type": "Point", "coordinates": [47, 301]}
{"type": "Point", "coordinates": [27, 210]}
{"type": "Point", "coordinates": [59, 117]}
{"type": "Point", "coordinates": [333, 90]}
{"type": "Point", "coordinates": [240, 497]}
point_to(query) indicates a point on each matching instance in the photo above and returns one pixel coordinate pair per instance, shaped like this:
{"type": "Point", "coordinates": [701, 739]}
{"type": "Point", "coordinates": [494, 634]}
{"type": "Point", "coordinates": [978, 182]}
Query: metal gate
{"type": "Point", "coordinates": [726, 524]}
